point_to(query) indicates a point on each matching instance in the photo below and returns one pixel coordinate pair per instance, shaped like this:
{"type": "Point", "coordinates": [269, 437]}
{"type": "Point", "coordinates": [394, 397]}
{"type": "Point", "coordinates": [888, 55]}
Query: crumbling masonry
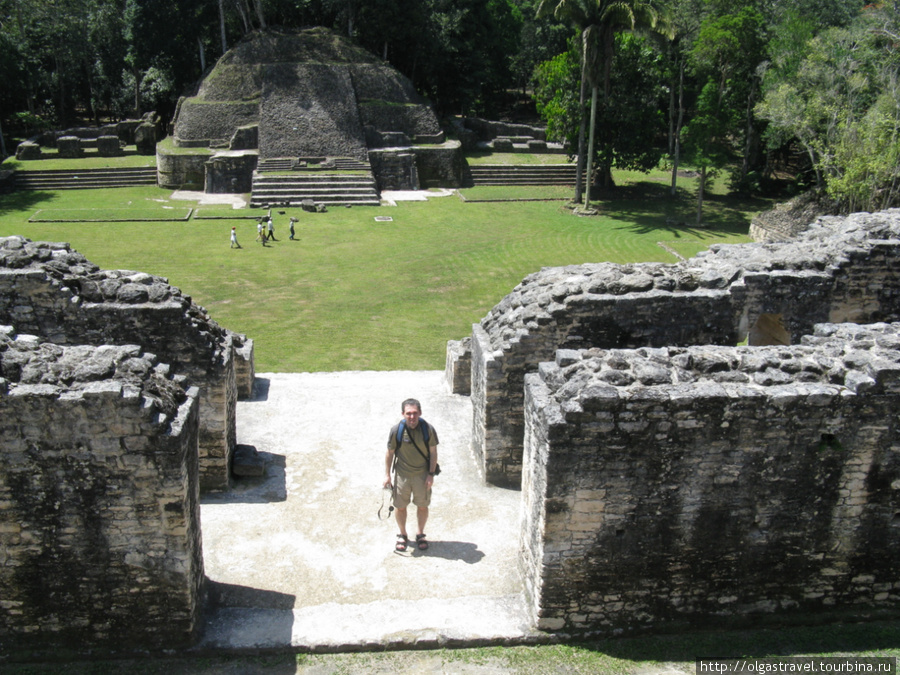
{"type": "Point", "coordinates": [50, 291]}
{"type": "Point", "coordinates": [668, 483]}
{"type": "Point", "coordinates": [841, 270]}
{"type": "Point", "coordinates": [117, 405]}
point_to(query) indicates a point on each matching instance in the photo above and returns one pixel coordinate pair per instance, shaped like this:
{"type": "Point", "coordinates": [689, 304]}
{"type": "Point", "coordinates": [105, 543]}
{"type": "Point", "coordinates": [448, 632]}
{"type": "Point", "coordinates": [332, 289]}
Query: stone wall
{"type": "Point", "coordinates": [394, 169]}
{"type": "Point", "coordinates": [677, 487]}
{"type": "Point", "coordinates": [176, 168]}
{"type": "Point", "coordinates": [230, 172]}
{"type": "Point", "coordinates": [440, 165]}
{"type": "Point", "coordinates": [841, 269]}
{"type": "Point", "coordinates": [488, 130]}
{"type": "Point", "coordinates": [418, 166]}
{"type": "Point", "coordinates": [789, 220]}
{"type": "Point", "coordinates": [100, 541]}
{"type": "Point", "coordinates": [47, 289]}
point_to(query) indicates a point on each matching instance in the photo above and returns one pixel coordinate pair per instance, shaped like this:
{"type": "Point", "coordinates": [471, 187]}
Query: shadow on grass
{"type": "Point", "coordinates": [23, 201]}
{"type": "Point", "coordinates": [646, 207]}
{"type": "Point", "coordinates": [771, 642]}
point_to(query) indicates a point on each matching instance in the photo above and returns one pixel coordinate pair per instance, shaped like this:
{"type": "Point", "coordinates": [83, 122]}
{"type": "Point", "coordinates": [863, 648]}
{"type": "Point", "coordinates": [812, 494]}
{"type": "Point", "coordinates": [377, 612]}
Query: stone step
{"type": "Point", "coordinates": [334, 163]}
{"type": "Point", "coordinates": [296, 201]}
{"type": "Point", "coordinates": [523, 174]}
{"type": "Point", "coordinates": [312, 179]}
{"type": "Point", "coordinates": [67, 179]}
{"type": "Point", "coordinates": [291, 187]}
{"type": "Point", "coordinates": [318, 190]}
{"type": "Point", "coordinates": [523, 180]}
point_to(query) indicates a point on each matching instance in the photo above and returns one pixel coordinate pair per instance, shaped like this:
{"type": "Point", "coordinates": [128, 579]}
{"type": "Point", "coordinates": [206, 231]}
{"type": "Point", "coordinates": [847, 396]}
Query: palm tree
{"type": "Point", "coordinates": [578, 14]}
{"type": "Point", "coordinates": [599, 21]}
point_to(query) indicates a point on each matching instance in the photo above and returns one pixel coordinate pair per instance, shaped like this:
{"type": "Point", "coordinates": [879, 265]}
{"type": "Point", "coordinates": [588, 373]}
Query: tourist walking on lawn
{"type": "Point", "coordinates": [234, 241]}
{"type": "Point", "coordinates": [412, 456]}
{"type": "Point", "coordinates": [271, 229]}
{"type": "Point", "coordinates": [291, 228]}
{"type": "Point", "coordinates": [260, 232]}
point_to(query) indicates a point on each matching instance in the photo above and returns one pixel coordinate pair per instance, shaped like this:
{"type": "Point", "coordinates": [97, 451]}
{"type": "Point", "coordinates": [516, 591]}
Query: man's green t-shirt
{"type": "Point", "coordinates": [409, 461]}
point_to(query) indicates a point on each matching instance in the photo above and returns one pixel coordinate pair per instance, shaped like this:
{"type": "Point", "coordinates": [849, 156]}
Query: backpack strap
{"type": "Point", "coordinates": [425, 433]}
{"type": "Point", "coordinates": [426, 429]}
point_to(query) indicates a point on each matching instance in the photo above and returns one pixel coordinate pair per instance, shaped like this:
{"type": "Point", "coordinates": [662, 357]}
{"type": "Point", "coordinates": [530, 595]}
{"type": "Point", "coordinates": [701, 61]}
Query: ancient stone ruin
{"type": "Point", "coordinates": [117, 406]}
{"type": "Point", "coordinates": [100, 525]}
{"type": "Point", "coordinates": [105, 141]}
{"type": "Point", "coordinates": [841, 270]}
{"type": "Point", "coordinates": [713, 486]}
{"type": "Point", "coordinates": [304, 97]}
{"type": "Point", "coordinates": [671, 478]}
{"type": "Point", "coordinates": [52, 292]}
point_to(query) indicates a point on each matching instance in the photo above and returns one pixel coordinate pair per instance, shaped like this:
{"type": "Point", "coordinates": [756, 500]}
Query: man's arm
{"type": "Point", "coordinates": [432, 453]}
{"type": "Point", "coordinates": [388, 463]}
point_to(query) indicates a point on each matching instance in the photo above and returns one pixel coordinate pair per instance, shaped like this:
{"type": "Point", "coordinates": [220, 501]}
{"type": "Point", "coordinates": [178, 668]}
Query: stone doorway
{"type": "Point", "coordinates": [769, 330]}
{"type": "Point", "coordinates": [301, 559]}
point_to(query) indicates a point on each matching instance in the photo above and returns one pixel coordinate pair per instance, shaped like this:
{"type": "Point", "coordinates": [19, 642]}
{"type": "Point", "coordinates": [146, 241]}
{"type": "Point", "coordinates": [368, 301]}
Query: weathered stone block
{"type": "Point", "coordinates": [145, 138]}
{"type": "Point", "coordinates": [637, 486]}
{"type": "Point", "coordinates": [69, 147]}
{"type": "Point", "coordinates": [28, 150]}
{"type": "Point", "coordinates": [109, 146]}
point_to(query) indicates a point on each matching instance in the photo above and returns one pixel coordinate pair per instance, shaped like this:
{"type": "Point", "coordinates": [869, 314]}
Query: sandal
{"type": "Point", "coordinates": [421, 543]}
{"type": "Point", "coordinates": [402, 541]}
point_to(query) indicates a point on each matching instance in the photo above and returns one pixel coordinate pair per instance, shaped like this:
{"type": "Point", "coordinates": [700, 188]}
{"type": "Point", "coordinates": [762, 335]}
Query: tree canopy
{"type": "Point", "coordinates": [764, 90]}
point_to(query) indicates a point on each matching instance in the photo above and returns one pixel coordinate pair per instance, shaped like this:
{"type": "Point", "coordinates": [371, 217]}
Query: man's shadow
{"type": "Point", "coordinates": [451, 550]}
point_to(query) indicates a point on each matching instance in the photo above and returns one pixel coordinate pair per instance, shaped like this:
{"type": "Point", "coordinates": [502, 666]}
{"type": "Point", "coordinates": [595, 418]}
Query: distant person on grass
{"type": "Point", "coordinates": [291, 228]}
{"type": "Point", "coordinates": [234, 241]}
{"type": "Point", "coordinates": [271, 230]}
{"type": "Point", "coordinates": [260, 232]}
{"type": "Point", "coordinates": [414, 461]}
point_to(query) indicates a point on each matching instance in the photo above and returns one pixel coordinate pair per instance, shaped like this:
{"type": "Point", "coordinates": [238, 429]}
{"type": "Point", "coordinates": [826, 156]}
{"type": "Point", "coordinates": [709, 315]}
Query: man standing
{"type": "Point", "coordinates": [271, 229]}
{"type": "Point", "coordinates": [413, 457]}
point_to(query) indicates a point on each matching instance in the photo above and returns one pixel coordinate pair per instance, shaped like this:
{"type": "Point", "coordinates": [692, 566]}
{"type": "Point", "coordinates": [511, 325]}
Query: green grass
{"type": "Point", "coordinates": [487, 157]}
{"type": "Point", "coordinates": [516, 193]}
{"type": "Point", "coordinates": [50, 161]}
{"type": "Point", "coordinates": [355, 294]}
{"type": "Point", "coordinates": [625, 656]}
{"type": "Point", "coordinates": [111, 215]}
{"type": "Point", "coordinates": [226, 213]}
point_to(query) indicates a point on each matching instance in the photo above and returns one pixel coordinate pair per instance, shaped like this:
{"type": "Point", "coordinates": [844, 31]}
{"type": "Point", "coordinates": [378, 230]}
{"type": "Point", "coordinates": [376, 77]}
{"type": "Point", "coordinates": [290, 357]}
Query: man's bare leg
{"type": "Point", "coordinates": [400, 515]}
{"type": "Point", "coordinates": [422, 518]}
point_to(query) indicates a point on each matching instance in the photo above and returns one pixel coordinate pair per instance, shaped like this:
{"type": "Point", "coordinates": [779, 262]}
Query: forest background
{"type": "Point", "coordinates": [785, 95]}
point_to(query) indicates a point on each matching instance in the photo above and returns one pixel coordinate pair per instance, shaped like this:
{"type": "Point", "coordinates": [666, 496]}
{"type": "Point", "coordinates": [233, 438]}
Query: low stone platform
{"type": "Point", "coordinates": [299, 560]}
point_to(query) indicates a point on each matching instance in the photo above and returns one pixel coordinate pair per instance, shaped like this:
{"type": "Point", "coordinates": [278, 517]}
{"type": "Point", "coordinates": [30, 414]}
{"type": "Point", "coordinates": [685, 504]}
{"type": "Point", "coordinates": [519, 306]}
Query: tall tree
{"type": "Point", "coordinates": [686, 17]}
{"type": "Point", "coordinates": [724, 57]}
{"type": "Point", "coordinates": [842, 105]}
{"type": "Point", "coordinates": [635, 112]}
{"type": "Point", "coordinates": [599, 21]}
{"type": "Point", "coordinates": [578, 13]}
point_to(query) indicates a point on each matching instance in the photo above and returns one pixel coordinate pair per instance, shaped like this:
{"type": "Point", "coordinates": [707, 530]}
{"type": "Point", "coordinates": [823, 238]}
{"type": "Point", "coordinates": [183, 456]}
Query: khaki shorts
{"type": "Point", "coordinates": [406, 487]}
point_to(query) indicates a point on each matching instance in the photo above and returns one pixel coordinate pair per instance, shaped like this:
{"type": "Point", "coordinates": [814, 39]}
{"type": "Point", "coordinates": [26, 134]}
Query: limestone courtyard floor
{"type": "Point", "coordinates": [300, 559]}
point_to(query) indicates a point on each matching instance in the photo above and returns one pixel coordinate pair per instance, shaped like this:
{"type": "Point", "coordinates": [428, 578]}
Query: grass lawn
{"type": "Point", "coordinates": [355, 294]}
{"type": "Point", "coordinates": [50, 160]}
{"type": "Point", "coordinates": [487, 157]}
{"type": "Point", "coordinates": [650, 655]}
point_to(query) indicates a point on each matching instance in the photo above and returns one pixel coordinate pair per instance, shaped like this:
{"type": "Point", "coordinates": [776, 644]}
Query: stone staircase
{"type": "Point", "coordinates": [523, 174]}
{"type": "Point", "coordinates": [65, 179]}
{"type": "Point", "coordinates": [290, 182]}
